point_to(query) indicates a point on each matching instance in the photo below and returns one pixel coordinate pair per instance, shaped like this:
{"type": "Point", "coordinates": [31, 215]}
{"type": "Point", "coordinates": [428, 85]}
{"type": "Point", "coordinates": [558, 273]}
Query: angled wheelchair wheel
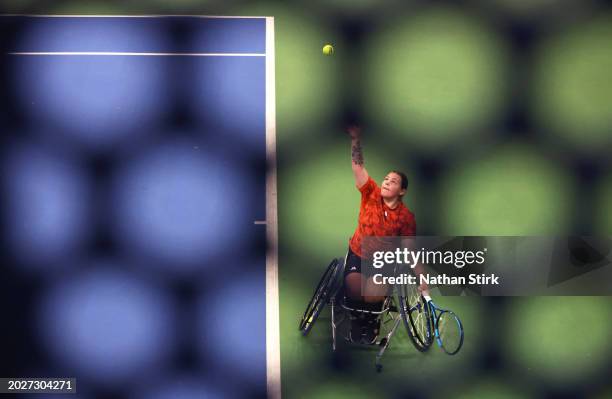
{"type": "Point", "coordinates": [328, 286]}
{"type": "Point", "coordinates": [416, 316]}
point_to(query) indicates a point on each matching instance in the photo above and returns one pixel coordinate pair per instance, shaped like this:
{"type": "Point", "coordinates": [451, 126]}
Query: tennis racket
{"type": "Point", "coordinates": [448, 330]}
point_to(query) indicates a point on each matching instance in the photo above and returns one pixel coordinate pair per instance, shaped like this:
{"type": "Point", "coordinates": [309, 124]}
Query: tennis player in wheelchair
{"type": "Point", "coordinates": [381, 213]}
{"type": "Point", "coordinates": [350, 287]}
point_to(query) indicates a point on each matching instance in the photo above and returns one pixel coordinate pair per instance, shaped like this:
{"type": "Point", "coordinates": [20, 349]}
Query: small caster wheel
{"type": "Point", "coordinates": [378, 368]}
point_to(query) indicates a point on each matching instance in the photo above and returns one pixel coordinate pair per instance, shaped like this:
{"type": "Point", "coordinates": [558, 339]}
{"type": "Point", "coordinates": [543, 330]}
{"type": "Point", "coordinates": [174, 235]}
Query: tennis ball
{"type": "Point", "coordinates": [328, 49]}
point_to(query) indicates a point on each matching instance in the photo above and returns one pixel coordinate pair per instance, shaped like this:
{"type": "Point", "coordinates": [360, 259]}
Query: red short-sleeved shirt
{"type": "Point", "coordinates": [377, 219]}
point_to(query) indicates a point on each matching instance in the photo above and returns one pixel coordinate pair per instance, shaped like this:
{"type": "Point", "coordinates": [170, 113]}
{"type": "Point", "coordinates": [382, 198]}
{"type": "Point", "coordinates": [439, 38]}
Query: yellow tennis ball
{"type": "Point", "coordinates": [328, 49]}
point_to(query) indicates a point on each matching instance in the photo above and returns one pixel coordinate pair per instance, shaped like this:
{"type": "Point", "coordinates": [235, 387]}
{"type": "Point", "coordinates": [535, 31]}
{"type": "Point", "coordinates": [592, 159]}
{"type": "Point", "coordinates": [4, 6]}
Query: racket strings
{"type": "Point", "coordinates": [450, 332]}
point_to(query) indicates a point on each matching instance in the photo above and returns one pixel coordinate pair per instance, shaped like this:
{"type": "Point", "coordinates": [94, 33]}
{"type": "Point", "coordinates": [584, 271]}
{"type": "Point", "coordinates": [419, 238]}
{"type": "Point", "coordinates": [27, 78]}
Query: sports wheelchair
{"type": "Point", "coordinates": [407, 306]}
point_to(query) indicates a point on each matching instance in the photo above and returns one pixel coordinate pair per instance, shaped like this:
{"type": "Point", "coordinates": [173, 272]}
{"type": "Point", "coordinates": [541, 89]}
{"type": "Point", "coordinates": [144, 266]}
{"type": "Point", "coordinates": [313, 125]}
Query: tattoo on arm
{"type": "Point", "coordinates": [357, 153]}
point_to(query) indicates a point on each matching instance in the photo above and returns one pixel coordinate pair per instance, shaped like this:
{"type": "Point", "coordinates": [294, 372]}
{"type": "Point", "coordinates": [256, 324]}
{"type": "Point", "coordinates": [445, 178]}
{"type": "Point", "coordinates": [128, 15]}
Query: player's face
{"type": "Point", "coordinates": [391, 186]}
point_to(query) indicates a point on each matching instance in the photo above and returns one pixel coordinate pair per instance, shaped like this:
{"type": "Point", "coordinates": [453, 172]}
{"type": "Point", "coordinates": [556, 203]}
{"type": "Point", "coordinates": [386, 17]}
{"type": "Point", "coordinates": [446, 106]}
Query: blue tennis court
{"type": "Point", "coordinates": [139, 206]}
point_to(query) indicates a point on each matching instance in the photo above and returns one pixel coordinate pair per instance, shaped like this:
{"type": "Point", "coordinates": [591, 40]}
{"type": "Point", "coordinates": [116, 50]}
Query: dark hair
{"type": "Point", "coordinates": [404, 178]}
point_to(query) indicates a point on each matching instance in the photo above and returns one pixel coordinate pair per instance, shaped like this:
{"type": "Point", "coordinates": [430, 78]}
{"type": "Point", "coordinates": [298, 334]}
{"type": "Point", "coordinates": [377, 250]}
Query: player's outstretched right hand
{"type": "Point", "coordinates": [354, 131]}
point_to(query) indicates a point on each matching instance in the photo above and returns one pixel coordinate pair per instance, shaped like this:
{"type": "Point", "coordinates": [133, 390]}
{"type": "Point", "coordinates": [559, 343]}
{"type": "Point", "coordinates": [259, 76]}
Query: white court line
{"type": "Point", "coordinates": [273, 358]}
{"type": "Point", "coordinates": [260, 222]}
{"type": "Point", "coordinates": [115, 53]}
{"type": "Point", "coordinates": [129, 16]}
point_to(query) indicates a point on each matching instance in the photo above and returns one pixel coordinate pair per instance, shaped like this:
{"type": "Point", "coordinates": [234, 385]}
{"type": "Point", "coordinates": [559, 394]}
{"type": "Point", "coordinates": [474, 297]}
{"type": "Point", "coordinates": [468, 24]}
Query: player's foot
{"type": "Point", "coordinates": [365, 327]}
{"type": "Point", "coordinates": [371, 331]}
{"type": "Point", "coordinates": [364, 331]}
{"type": "Point", "coordinates": [357, 326]}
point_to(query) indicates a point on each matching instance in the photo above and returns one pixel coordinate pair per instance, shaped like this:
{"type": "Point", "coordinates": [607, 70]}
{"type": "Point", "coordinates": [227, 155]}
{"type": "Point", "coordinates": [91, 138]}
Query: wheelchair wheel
{"type": "Point", "coordinates": [416, 316]}
{"type": "Point", "coordinates": [327, 287]}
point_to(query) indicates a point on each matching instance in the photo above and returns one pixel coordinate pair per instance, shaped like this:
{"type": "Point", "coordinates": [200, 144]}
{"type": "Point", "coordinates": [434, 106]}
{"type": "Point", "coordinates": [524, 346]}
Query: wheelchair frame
{"type": "Point", "coordinates": [330, 291]}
